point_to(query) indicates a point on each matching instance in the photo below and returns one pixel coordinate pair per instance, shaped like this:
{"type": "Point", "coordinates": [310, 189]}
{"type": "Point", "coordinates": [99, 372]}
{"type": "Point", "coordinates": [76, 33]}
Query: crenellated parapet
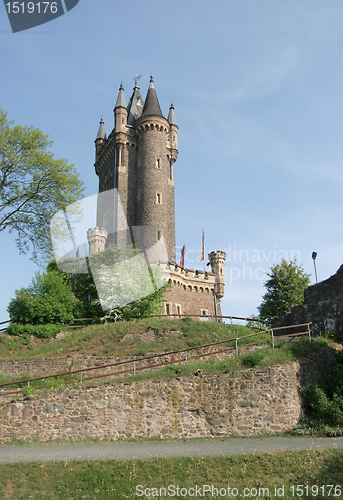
{"type": "Point", "coordinates": [190, 279]}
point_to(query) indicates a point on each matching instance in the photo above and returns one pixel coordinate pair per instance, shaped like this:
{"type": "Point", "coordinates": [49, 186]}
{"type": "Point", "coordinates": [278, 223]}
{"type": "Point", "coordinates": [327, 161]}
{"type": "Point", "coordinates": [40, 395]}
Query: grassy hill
{"type": "Point", "coordinates": [152, 335]}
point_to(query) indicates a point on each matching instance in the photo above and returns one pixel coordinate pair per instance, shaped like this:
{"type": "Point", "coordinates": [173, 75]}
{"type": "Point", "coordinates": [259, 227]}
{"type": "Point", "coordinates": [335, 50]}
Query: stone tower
{"type": "Point", "coordinates": [137, 159]}
{"type": "Point", "coordinates": [217, 260]}
{"type": "Point", "coordinates": [97, 237]}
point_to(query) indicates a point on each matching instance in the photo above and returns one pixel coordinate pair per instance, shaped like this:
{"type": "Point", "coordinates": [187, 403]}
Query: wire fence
{"type": "Point", "coordinates": [185, 352]}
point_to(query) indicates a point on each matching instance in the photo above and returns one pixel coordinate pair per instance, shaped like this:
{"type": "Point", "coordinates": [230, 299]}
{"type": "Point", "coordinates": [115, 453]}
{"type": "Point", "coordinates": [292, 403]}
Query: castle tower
{"type": "Point", "coordinates": [97, 237]}
{"type": "Point", "coordinates": [217, 260]}
{"type": "Point", "coordinates": [137, 159]}
{"type": "Point", "coordinates": [155, 186]}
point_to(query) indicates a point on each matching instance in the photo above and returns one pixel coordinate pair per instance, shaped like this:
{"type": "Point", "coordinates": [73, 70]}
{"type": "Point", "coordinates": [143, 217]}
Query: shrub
{"type": "Point", "coordinates": [325, 397]}
{"type": "Point", "coordinates": [333, 335]}
{"type": "Point", "coordinates": [42, 331]}
{"type": "Point", "coordinates": [252, 359]}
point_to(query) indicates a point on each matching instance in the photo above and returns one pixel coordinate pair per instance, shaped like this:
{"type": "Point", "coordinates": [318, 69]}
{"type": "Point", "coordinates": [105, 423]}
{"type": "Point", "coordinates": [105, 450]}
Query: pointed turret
{"type": "Point", "coordinates": [151, 106]}
{"type": "Point", "coordinates": [101, 132]}
{"type": "Point", "coordinates": [120, 114]}
{"type": "Point", "coordinates": [135, 106]}
{"type": "Point", "coordinates": [172, 138]}
{"type": "Point", "coordinates": [100, 138]}
{"type": "Point", "coordinates": [171, 115]}
{"type": "Point", "coordinates": [121, 98]}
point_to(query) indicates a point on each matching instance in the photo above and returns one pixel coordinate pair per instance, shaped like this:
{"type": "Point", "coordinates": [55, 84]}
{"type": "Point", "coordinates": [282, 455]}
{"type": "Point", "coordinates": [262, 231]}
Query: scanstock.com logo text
{"type": "Point", "coordinates": [26, 14]}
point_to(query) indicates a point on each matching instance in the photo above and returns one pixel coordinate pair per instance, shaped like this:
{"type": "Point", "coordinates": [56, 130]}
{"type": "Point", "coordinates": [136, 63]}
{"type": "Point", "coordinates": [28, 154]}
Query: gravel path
{"type": "Point", "coordinates": [146, 450]}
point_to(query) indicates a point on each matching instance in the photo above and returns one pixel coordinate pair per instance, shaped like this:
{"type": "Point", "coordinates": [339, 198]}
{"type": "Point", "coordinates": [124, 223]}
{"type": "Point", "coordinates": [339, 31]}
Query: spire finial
{"type": "Point", "coordinates": [171, 116]}
{"type": "Point", "coordinates": [151, 86]}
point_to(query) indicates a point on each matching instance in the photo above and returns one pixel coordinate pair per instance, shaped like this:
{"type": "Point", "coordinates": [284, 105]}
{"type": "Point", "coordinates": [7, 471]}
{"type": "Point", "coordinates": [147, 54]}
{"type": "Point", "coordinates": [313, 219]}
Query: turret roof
{"type": "Point", "coordinates": [101, 131]}
{"type": "Point", "coordinates": [135, 106]}
{"type": "Point", "coordinates": [121, 98]}
{"type": "Point", "coordinates": [151, 106]}
{"type": "Point", "coordinates": [171, 116]}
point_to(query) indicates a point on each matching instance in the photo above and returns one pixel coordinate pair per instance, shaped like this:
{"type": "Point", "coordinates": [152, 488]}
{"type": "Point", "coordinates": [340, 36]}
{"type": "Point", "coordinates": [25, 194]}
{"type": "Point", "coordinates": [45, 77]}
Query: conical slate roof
{"type": "Point", "coordinates": [151, 106]}
{"type": "Point", "coordinates": [101, 132]}
{"type": "Point", "coordinates": [171, 116]}
{"type": "Point", "coordinates": [121, 98]}
{"type": "Point", "coordinates": [135, 106]}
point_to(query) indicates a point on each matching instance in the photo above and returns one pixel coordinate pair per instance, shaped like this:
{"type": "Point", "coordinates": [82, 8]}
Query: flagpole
{"type": "Point", "coordinates": [203, 249]}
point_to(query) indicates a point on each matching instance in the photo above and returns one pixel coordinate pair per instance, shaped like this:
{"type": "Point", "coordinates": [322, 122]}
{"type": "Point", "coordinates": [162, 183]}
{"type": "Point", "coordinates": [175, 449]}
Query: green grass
{"type": "Point", "coordinates": [104, 340]}
{"type": "Point", "coordinates": [107, 480]}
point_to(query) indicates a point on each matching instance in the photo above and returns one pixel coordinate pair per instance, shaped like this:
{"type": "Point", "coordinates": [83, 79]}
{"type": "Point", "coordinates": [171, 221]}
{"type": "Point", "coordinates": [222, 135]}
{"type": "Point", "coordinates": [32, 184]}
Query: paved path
{"type": "Point", "coordinates": [146, 450]}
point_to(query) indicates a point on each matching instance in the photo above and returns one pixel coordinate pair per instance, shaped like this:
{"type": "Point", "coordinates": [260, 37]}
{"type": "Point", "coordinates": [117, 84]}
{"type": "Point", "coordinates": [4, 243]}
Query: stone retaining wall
{"type": "Point", "coordinates": [249, 402]}
{"type": "Point", "coordinates": [323, 305]}
{"type": "Point", "coordinates": [50, 366]}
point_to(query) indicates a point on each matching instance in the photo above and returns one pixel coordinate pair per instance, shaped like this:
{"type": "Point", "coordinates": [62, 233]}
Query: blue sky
{"type": "Point", "coordinates": [257, 89]}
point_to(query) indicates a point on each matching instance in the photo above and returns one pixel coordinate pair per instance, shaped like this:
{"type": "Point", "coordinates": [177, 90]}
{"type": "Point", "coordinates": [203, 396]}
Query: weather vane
{"type": "Point", "coordinates": [136, 78]}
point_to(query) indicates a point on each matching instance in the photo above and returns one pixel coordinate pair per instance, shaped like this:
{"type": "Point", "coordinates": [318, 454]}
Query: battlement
{"type": "Point", "coordinates": [96, 232]}
{"type": "Point", "coordinates": [189, 279]}
{"type": "Point", "coordinates": [215, 256]}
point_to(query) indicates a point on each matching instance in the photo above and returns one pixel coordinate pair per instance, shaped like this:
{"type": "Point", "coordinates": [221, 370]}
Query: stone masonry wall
{"type": "Point", "coordinates": [323, 305]}
{"type": "Point", "coordinates": [249, 402]}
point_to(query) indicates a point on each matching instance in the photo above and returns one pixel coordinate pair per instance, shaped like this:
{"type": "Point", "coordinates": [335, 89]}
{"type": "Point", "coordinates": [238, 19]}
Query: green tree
{"type": "Point", "coordinates": [285, 287]}
{"type": "Point", "coordinates": [49, 299]}
{"type": "Point", "coordinates": [33, 186]}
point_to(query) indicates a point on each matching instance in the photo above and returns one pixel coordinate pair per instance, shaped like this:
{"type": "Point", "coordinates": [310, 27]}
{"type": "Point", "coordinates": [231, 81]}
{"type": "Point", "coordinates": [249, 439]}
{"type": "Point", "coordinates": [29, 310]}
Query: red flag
{"type": "Point", "coordinates": [182, 258]}
{"type": "Point", "coordinates": [203, 247]}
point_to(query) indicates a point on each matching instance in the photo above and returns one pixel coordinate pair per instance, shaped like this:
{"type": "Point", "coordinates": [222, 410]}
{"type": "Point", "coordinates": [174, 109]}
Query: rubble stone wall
{"type": "Point", "coordinates": [323, 305]}
{"type": "Point", "coordinates": [246, 403]}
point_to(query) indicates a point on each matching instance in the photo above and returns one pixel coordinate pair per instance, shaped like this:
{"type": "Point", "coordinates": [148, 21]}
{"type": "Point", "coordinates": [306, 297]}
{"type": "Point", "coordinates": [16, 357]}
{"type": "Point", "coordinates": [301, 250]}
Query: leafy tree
{"type": "Point", "coordinates": [33, 186]}
{"type": "Point", "coordinates": [285, 287]}
{"type": "Point", "coordinates": [49, 299]}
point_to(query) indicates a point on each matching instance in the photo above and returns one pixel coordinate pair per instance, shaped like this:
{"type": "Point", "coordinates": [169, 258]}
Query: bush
{"type": "Point", "coordinates": [333, 335]}
{"type": "Point", "coordinates": [326, 410]}
{"type": "Point", "coordinates": [252, 360]}
{"type": "Point", "coordinates": [325, 397]}
{"type": "Point", "coordinates": [41, 331]}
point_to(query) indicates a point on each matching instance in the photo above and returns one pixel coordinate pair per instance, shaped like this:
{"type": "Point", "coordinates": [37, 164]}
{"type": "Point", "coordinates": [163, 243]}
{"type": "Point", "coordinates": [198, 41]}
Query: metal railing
{"type": "Point", "coordinates": [185, 358]}
{"type": "Point", "coordinates": [177, 316]}
{"type": "Point", "coordinates": [3, 323]}
{"type": "Point", "coordinates": [173, 316]}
